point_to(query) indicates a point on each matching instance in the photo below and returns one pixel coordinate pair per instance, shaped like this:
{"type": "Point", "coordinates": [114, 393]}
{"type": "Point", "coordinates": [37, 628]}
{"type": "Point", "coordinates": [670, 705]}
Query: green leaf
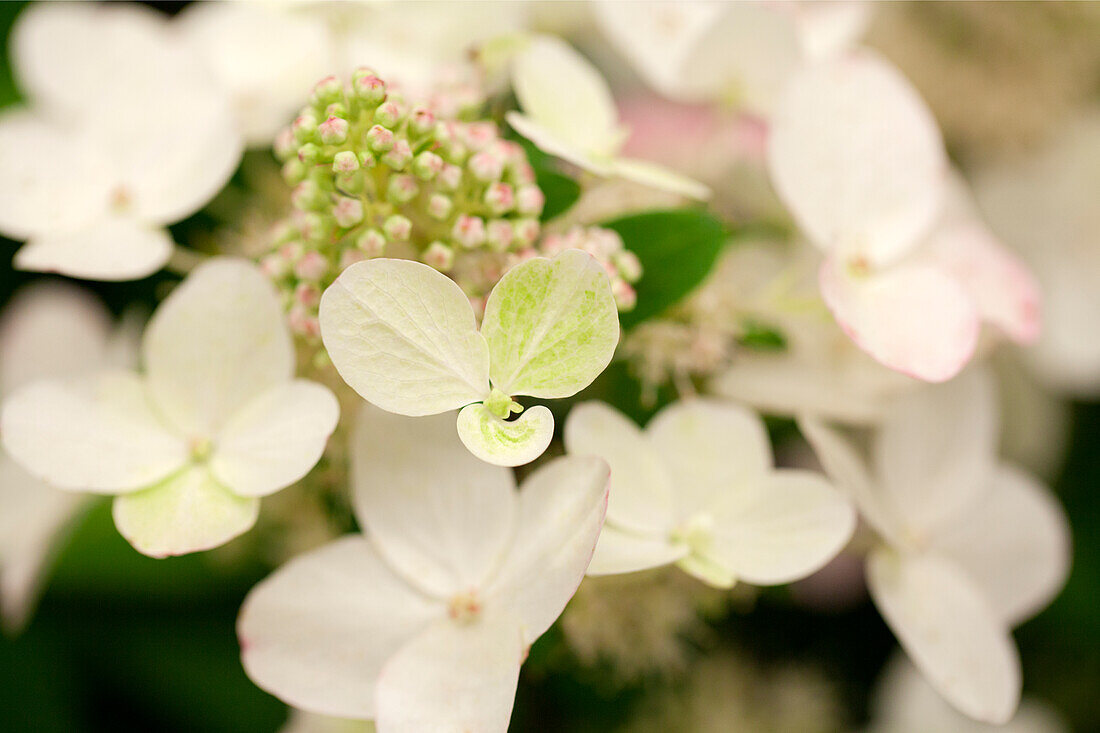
{"type": "Point", "coordinates": [677, 248]}
{"type": "Point", "coordinates": [560, 190]}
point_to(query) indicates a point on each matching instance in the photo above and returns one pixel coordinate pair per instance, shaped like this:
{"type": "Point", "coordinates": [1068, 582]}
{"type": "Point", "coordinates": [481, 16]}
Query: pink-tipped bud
{"type": "Point", "coordinates": [397, 228]}
{"type": "Point", "coordinates": [389, 114]}
{"type": "Point", "coordinates": [527, 231]}
{"type": "Point", "coordinates": [500, 198]}
{"type": "Point", "coordinates": [291, 252]}
{"type": "Point", "coordinates": [333, 131]}
{"type": "Point", "coordinates": [308, 196]}
{"type": "Point", "coordinates": [399, 157]}
{"type": "Point", "coordinates": [402, 189]}
{"type": "Point", "coordinates": [275, 266]}
{"type": "Point", "coordinates": [372, 243]}
{"type": "Point", "coordinates": [628, 265]}
{"type": "Point", "coordinates": [345, 162]}
{"type": "Point", "coordinates": [304, 128]}
{"type": "Point", "coordinates": [450, 178]}
{"type": "Point", "coordinates": [307, 294]}
{"type": "Point", "coordinates": [480, 135]}
{"type": "Point", "coordinates": [348, 212]}
{"type": "Point", "coordinates": [309, 154]}
{"type": "Point", "coordinates": [327, 91]}
{"type": "Point", "coordinates": [439, 256]}
{"type": "Point", "coordinates": [368, 88]}
{"type": "Point", "coordinates": [379, 139]}
{"type": "Point", "coordinates": [294, 171]}
{"type": "Point", "coordinates": [523, 174]}
{"type": "Point", "coordinates": [530, 200]}
{"type": "Point", "coordinates": [440, 206]}
{"type": "Point", "coordinates": [302, 322]}
{"type": "Point", "coordinates": [625, 296]}
{"type": "Point", "coordinates": [421, 121]}
{"type": "Point", "coordinates": [469, 231]}
{"type": "Point", "coordinates": [285, 145]}
{"type": "Point", "coordinates": [311, 266]}
{"type": "Point", "coordinates": [486, 167]}
{"type": "Point", "coordinates": [500, 234]}
{"type": "Point", "coordinates": [427, 165]}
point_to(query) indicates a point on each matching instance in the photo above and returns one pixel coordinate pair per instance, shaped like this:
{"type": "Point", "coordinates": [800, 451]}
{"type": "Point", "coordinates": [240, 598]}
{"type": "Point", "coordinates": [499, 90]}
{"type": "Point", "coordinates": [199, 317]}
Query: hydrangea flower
{"type": "Point", "coordinates": [857, 157]}
{"type": "Point", "coordinates": [188, 447]}
{"type": "Point", "coordinates": [969, 547]}
{"type": "Point", "coordinates": [698, 489]}
{"type": "Point", "coordinates": [124, 137]}
{"type": "Point", "coordinates": [568, 112]}
{"type": "Point", "coordinates": [50, 330]}
{"type": "Point", "coordinates": [423, 624]}
{"type": "Point", "coordinates": [405, 338]}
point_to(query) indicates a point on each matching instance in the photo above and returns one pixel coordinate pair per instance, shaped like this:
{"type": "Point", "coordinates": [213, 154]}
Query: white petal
{"type": "Point", "coordinates": [97, 434]}
{"type": "Point", "coordinates": [186, 513]}
{"type": "Point", "coordinates": [621, 551]}
{"type": "Point", "coordinates": [561, 91]}
{"type": "Point", "coordinates": [302, 722]}
{"type": "Point", "coordinates": [856, 155]}
{"type": "Point", "coordinates": [215, 344]}
{"type": "Point", "coordinates": [789, 528]}
{"type": "Point", "coordinates": [111, 248]}
{"type": "Point", "coordinates": [275, 439]}
{"type": "Point", "coordinates": [711, 448]}
{"type": "Point", "coordinates": [659, 177]}
{"type": "Point", "coordinates": [936, 450]}
{"type": "Point", "coordinates": [747, 55]}
{"type": "Point", "coordinates": [1001, 286]}
{"type": "Point", "coordinates": [707, 569]}
{"type": "Point", "coordinates": [51, 330]}
{"type": "Point", "coordinates": [827, 29]}
{"type": "Point", "coordinates": [33, 516]}
{"type": "Point", "coordinates": [505, 442]}
{"type": "Point", "coordinates": [641, 496]}
{"type": "Point", "coordinates": [561, 510]}
{"type": "Point", "coordinates": [552, 326]}
{"type": "Point", "coordinates": [265, 58]}
{"type": "Point", "coordinates": [52, 179]}
{"type": "Point", "coordinates": [1013, 542]}
{"type": "Point", "coordinates": [912, 318]}
{"type": "Point", "coordinates": [549, 142]}
{"type": "Point", "coordinates": [950, 632]}
{"type": "Point", "coordinates": [319, 630]}
{"type": "Point", "coordinates": [403, 336]}
{"type": "Point", "coordinates": [440, 516]}
{"type": "Point", "coordinates": [453, 678]}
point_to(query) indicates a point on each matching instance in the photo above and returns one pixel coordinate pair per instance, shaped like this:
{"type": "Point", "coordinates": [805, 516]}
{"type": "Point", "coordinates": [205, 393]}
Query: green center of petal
{"type": "Point", "coordinates": [465, 607]}
{"type": "Point", "coordinates": [501, 404]}
{"type": "Point", "coordinates": [697, 533]}
{"type": "Point", "coordinates": [200, 449]}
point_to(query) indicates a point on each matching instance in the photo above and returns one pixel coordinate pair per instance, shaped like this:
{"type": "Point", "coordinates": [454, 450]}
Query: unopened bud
{"type": "Point", "coordinates": [500, 198]}
{"type": "Point", "coordinates": [334, 131]}
{"type": "Point", "coordinates": [500, 234]}
{"type": "Point", "coordinates": [304, 128]}
{"type": "Point", "coordinates": [348, 212]}
{"type": "Point", "coordinates": [372, 243]}
{"type": "Point", "coordinates": [397, 228]}
{"type": "Point", "coordinates": [469, 231]}
{"type": "Point", "coordinates": [486, 167]}
{"type": "Point", "coordinates": [427, 165]}
{"type": "Point", "coordinates": [311, 266]}
{"type": "Point", "coordinates": [308, 196]}
{"type": "Point", "coordinates": [345, 162]}
{"type": "Point", "coordinates": [399, 157]}
{"type": "Point", "coordinates": [440, 206]}
{"type": "Point", "coordinates": [530, 200]}
{"type": "Point", "coordinates": [625, 296]}
{"type": "Point", "coordinates": [402, 189]}
{"type": "Point", "coordinates": [439, 256]}
{"type": "Point", "coordinates": [307, 294]}
{"type": "Point", "coordinates": [421, 121]}
{"type": "Point", "coordinates": [523, 173]}
{"type": "Point", "coordinates": [450, 178]}
{"type": "Point", "coordinates": [309, 154]}
{"type": "Point", "coordinates": [379, 139]}
{"type": "Point", "coordinates": [479, 135]}
{"type": "Point", "coordinates": [275, 266]}
{"type": "Point", "coordinates": [628, 265]}
{"type": "Point", "coordinates": [294, 171]}
{"type": "Point", "coordinates": [527, 231]}
{"type": "Point", "coordinates": [327, 91]}
{"type": "Point", "coordinates": [389, 114]}
{"type": "Point", "coordinates": [285, 145]}
{"type": "Point", "coordinates": [303, 323]}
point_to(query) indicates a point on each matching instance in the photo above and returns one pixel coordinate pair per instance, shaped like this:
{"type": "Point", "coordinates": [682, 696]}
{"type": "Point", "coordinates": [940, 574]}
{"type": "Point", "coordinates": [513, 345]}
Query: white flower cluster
{"type": "Point", "coordinates": [414, 261]}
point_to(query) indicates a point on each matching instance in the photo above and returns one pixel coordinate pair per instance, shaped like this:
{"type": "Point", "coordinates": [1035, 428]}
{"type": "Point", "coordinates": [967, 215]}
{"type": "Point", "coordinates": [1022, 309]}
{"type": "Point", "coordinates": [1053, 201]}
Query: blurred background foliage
{"type": "Point", "coordinates": [122, 642]}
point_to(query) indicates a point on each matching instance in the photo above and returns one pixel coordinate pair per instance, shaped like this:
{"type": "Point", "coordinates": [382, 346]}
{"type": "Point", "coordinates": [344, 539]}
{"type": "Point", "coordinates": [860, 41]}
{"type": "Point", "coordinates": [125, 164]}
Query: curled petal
{"type": "Point", "coordinates": [505, 442]}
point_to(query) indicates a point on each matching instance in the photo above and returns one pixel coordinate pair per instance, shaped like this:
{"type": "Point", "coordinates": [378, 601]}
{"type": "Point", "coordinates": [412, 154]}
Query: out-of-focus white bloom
{"type": "Point", "coordinates": [50, 330]}
{"type": "Point", "coordinates": [857, 157]}
{"type": "Point", "coordinates": [423, 624]}
{"type": "Point", "coordinates": [741, 53]}
{"type": "Point", "coordinates": [1044, 206]}
{"type": "Point", "coordinates": [697, 488]}
{"type": "Point", "coordinates": [302, 722]}
{"type": "Point", "coordinates": [905, 703]}
{"type": "Point", "coordinates": [265, 57]}
{"type": "Point", "coordinates": [405, 338]}
{"type": "Point", "coordinates": [125, 135]}
{"type": "Point", "coordinates": [969, 546]}
{"type": "Point", "coordinates": [568, 112]}
{"type": "Point", "coordinates": [216, 421]}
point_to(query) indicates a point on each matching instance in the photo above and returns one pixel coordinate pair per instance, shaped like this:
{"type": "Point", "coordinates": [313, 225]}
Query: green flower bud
{"type": "Point", "coordinates": [371, 242]}
{"type": "Point", "coordinates": [402, 189]}
{"type": "Point", "coordinates": [397, 228]}
{"type": "Point", "coordinates": [439, 256]}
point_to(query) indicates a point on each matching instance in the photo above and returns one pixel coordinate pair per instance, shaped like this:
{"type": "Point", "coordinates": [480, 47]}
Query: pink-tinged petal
{"type": "Point", "coordinates": [960, 644]}
{"type": "Point", "coordinates": [911, 318]}
{"type": "Point", "coordinates": [1005, 291]}
{"type": "Point", "coordinates": [561, 510]}
{"type": "Point", "coordinates": [455, 677]}
{"type": "Point", "coordinates": [318, 632]}
{"type": "Point", "coordinates": [108, 249]}
{"type": "Point", "coordinates": [1018, 548]}
{"type": "Point", "coordinates": [440, 516]}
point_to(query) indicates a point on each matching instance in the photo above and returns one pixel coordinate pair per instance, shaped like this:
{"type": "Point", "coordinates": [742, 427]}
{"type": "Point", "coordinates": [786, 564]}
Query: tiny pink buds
{"type": "Point", "coordinates": [389, 114]}
{"type": "Point", "coordinates": [327, 91]}
{"type": "Point", "coordinates": [397, 228]}
{"type": "Point", "coordinates": [311, 266]}
{"type": "Point", "coordinates": [625, 297]}
{"type": "Point", "coordinates": [308, 196]}
{"type": "Point", "coordinates": [399, 157]}
{"type": "Point", "coordinates": [348, 212]}
{"type": "Point", "coordinates": [421, 121]}
{"type": "Point", "coordinates": [345, 162]}
{"type": "Point", "coordinates": [469, 231]}
{"type": "Point", "coordinates": [275, 266]}
{"type": "Point", "coordinates": [479, 135]}
{"type": "Point", "coordinates": [307, 294]}
{"type": "Point", "coordinates": [303, 323]}
{"type": "Point", "coordinates": [309, 154]}
{"type": "Point", "coordinates": [486, 167]}
{"type": "Point", "coordinates": [500, 198]}
{"type": "Point", "coordinates": [440, 206]}
{"type": "Point", "coordinates": [368, 88]}
{"type": "Point", "coordinates": [304, 128]}
{"type": "Point", "coordinates": [333, 131]}
{"type": "Point", "coordinates": [439, 256]}
{"type": "Point", "coordinates": [379, 139]}
{"type": "Point", "coordinates": [530, 200]}
{"type": "Point", "coordinates": [402, 189]}
{"type": "Point", "coordinates": [372, 243]}
{"type": "Point", "coordinates": [427, 165]}
{"type": "Point", "coordinates": [527, 231]}
{"type": "Point", "coordinates": [500, 234]}
{"type": "Point", "coordinates": [628, 265]}
{"type": "Point", "coordinates": [285, 145]}
{"type": "Point", "coordinates": [294, 171]}
{"type": "Point", "coordinates": [450, 178]}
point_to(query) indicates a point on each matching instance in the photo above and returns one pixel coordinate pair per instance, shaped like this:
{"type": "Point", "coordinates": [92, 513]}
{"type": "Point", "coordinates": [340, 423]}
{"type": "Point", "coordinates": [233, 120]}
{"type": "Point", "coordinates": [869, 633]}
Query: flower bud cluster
{"type": "Point", "coordinates": [606, 247]}
{"type": "Point", "coordinates": [375, 174]}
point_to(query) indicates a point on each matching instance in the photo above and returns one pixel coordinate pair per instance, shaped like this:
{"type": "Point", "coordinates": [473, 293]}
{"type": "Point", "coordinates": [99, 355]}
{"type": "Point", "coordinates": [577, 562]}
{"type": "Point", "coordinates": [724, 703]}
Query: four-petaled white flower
{"type": "Point", "coordinates": [216, 421]}
{"type": "Point", "coordinates": [697, 488]}
{"type": "Point", "coordinates": [969, 547]}
{"type": "Point", "coordinates": [49, 330]}
{"type": "Point", "coordinates": [568, 112]}
{"type": "Point", "coordinates": [405, 338]}
{"type": "Point", "coordinates": [856, 156]}
{"type": "Point", "coordinates": [123, 137]}
{"type": "Point", "coordinates": [423, 624]}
